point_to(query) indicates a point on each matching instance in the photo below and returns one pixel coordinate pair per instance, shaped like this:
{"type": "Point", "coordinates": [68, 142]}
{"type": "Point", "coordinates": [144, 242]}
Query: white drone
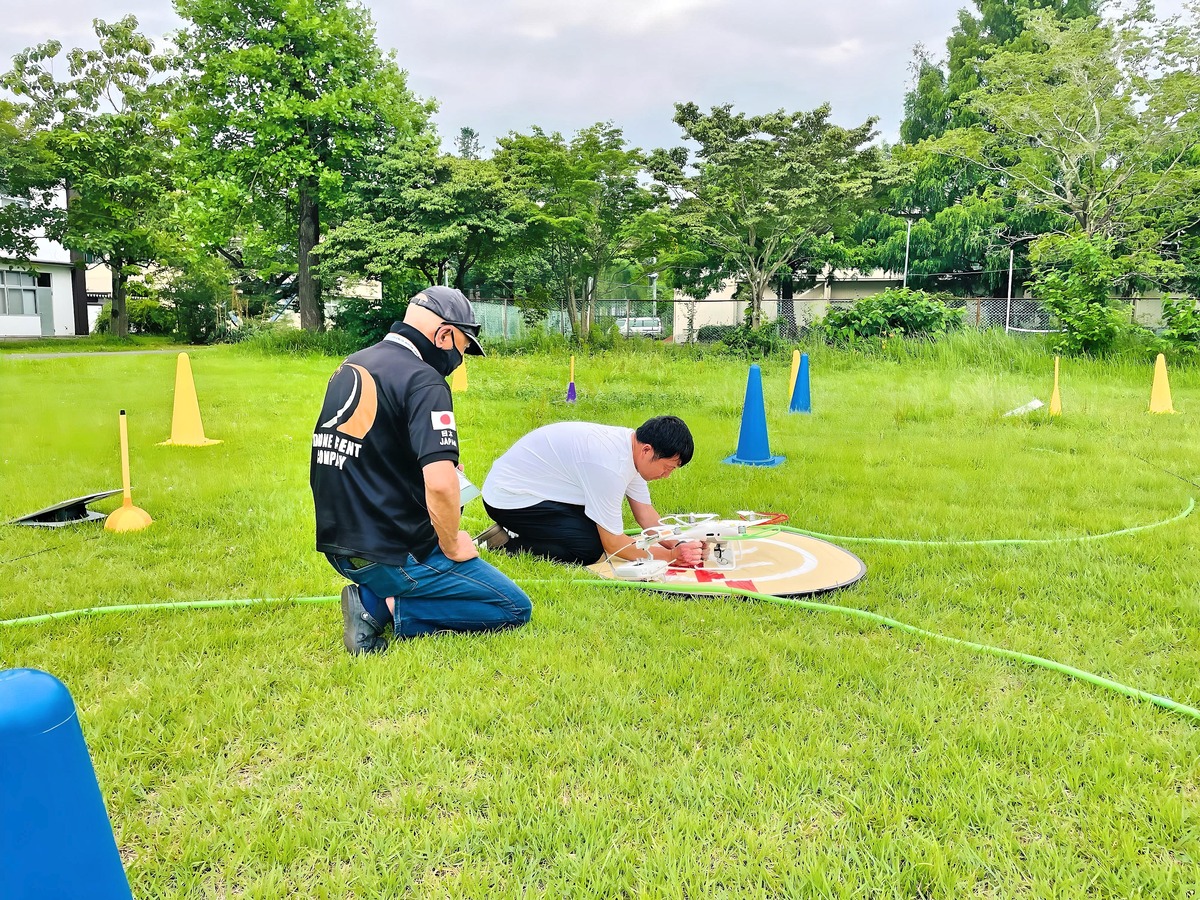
{"type": "Point", "coordinates": [719, 536]}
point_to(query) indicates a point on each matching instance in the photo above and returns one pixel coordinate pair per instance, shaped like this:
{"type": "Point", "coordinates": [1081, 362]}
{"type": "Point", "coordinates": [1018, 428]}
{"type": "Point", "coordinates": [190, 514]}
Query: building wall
{"type": "Point", "coordinates": [56, 309]}
{"type": "Point", "coordinates": [719, 307]}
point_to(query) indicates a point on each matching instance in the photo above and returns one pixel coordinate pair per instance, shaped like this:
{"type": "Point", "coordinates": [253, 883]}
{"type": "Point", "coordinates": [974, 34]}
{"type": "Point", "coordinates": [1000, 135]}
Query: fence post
{"type": "Point", "coordinates": [1008, 309]}
{"type": "Point", "coordinates": [504, 317]}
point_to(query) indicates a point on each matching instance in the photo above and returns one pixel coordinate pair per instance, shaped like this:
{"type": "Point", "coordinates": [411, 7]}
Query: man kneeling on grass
{"type": "Point", "coordinates": [557, 492]}
{"type": "Point", "coordinates": [386, 489]}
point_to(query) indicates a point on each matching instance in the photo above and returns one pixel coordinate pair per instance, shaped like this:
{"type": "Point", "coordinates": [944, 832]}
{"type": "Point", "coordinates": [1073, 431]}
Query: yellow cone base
{"type": "Point", "coordinates": [1160, 393]}
{"type": "Point", "coordinates": [186, 428]}
{"type": "Point", "coordinates": [127, 517]}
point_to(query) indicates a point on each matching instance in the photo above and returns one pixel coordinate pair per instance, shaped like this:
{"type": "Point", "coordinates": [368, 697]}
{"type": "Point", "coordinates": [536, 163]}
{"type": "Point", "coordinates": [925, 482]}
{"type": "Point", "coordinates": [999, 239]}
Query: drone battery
{"type": "Point", "coordinates": [641, 570]}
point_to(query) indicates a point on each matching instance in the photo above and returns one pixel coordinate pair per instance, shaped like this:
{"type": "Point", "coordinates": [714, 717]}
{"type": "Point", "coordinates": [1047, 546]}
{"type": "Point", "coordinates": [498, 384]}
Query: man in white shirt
{"type": "Point", "coordinates": [557, 492]}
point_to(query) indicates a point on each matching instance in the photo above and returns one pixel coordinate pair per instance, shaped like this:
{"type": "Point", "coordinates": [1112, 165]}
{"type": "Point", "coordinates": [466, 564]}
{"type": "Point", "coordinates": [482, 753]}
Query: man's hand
{"type": "Point", "coordinates": [464, 550]}
{"type": "Point", "coordinates": [689, 553]}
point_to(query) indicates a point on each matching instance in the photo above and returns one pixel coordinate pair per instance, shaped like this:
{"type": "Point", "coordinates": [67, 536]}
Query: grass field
{"type": "Point", "coordinates": [626, 744]}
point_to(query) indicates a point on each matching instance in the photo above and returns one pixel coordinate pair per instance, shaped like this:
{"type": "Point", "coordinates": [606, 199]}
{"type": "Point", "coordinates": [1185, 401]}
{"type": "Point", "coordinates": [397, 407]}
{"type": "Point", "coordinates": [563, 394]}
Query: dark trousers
{"type": "Point", "coordinates": [558, 531]}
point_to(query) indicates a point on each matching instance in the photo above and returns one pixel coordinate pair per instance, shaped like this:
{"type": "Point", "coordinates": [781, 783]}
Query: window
{"type": "Point", "coordinates": [23, 293]}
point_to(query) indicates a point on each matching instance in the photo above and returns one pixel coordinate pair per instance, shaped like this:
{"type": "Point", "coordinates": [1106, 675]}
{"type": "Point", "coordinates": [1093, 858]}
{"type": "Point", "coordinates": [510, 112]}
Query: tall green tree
{"type": "Point", "coordinates": [586, 207]}
{"type": "Point", "coordinates": [1097, 123]}
{"type": "Point", "coordinates": [413, 208]}
{"type": "Point", "coordinates": [931, 106]}
{"type": "Point", "coordinates": [29, 183]}
{"type": "Point", "coordinates": [961, 235]}
{"type": "Point", "coordinates": [764, 191]}
{"type": "Point", "coordinates": [1098, 126]}
{"type": "Point", "coordinates": [285, 101]}
{"type": "Point", "coordinates": [104, 124]}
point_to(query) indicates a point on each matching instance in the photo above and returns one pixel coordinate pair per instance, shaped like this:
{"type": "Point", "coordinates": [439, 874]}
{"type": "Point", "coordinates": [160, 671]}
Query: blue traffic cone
{"type": "Point", "coordinates": [801, 396]}
{"type": "Point", "coordinates": [753, 448]}
{"type": "Point", "coordinates": [55, 837]}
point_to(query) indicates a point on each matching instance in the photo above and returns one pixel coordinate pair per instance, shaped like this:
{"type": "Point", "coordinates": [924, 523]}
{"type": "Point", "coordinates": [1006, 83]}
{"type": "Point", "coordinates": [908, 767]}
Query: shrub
{"type": "Point", "coordinates": [199, 293]}
{"type": "Point", "coordinates": [895, 311]}
{"type": "Point", "coordinates": [146, 316]}
{"type": "Point", "coordinates": [365, 321]}
{"type": "Point", "coordinates": [1182, 319]}
{"type": "Point", "coordinates": [285, 340]}
{"type": "Point", "coordinates": [742, 340]}
{"type": "Point", "coordinates": [1074, 277]}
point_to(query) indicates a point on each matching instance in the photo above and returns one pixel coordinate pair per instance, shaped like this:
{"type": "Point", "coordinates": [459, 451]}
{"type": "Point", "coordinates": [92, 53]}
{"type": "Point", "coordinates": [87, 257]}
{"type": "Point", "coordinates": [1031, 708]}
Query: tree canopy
{"type": "Point", "coordinates": [104, 133]}
{"type": "Point", "coordinates": [284, 102]}
{"type": "Point", "coordinates": [762, 187]}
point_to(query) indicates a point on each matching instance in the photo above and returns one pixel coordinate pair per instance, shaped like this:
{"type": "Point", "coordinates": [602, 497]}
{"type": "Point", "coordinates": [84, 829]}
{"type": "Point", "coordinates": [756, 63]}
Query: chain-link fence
{"type": "Point", "coordinates": [686, 320]}
{"type": "Point", "coordinates": [516, 320]}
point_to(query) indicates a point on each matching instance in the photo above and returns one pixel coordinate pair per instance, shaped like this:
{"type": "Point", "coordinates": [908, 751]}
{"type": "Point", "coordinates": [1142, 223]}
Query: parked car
{"type": "Point", "coordinates": [641, 326]}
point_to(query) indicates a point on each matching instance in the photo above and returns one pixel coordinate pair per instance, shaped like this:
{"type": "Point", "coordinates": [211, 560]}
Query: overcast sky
{"type": "Point", "coordinates": [505, 65]}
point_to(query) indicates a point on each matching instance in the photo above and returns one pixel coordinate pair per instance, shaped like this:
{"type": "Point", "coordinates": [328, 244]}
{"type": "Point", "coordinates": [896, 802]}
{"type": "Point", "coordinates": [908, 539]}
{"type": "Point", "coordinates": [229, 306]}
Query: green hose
{"type": "Point", "coordinates": [1071, 671]}
{"type": "Point", "coordinates": [1164, 702]}
{"type": "Point", "coordinates": [139, 607]}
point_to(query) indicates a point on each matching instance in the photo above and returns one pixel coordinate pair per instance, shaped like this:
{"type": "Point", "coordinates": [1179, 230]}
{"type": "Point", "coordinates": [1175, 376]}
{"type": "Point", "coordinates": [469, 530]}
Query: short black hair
{"type": "Point", "coordinates": [667, 436]}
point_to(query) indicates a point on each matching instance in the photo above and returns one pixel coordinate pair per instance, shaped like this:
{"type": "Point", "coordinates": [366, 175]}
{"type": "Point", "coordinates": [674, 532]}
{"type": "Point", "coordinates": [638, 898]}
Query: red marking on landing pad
{"type": "Point", "coordinates": [742, 585]}
{"type": "Point", "coordinates": [704, 576]}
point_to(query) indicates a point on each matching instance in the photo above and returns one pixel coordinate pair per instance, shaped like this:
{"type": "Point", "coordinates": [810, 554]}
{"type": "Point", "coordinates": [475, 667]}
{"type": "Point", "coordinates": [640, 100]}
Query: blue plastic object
{"type": "Point", "coordinates": [801, 395]}
{"type": "Point", "coordinates": [753, 449]}
{"type": "Point", "coordinates": [56, 842]}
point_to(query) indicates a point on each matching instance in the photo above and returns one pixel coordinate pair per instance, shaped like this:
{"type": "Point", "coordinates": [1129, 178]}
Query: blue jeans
{"type": "Point", "coordinates": [442, 595]}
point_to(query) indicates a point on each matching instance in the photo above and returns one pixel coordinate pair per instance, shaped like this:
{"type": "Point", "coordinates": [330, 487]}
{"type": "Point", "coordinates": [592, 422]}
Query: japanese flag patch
{"type": "Point", "coordinates": [443, 420]}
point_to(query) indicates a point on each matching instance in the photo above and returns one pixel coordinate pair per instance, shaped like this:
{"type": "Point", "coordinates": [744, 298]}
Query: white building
{"type": "Point", "coordinates": [44, 298]}
{"type": "Point", "coordinates": [834, 287]}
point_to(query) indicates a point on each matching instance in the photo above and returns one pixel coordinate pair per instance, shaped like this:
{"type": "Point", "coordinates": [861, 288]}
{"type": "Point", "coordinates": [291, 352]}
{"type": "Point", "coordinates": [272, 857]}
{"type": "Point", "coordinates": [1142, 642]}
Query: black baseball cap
{"type": "Point", "coordinates": [455, 309]}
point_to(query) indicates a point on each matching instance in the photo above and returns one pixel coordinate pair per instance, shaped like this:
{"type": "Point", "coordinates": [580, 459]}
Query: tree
{"type": "Point", "coordinates": [586, 207]}
{"type": "Point", "coordinates": [467, 144]}
{"type": "Point", "coordinates": [931, 106]}
{"type": "Point", "coordinates": [411, 208]}
{"type": "Point", "coordinates": [1098, 126]}
{"type": "Point", "coordinates": [105, 128]}
{"type": "Point", "coordinates": [285, 100]}
{"type": "Point", "coordinates": [29, 182]}
{"type": "Point", "coordinates": [764, 187]}
{"type": "Point", "coordinates": [1095, 124]}
{"type": "Point", "coordinates": [961, 234]}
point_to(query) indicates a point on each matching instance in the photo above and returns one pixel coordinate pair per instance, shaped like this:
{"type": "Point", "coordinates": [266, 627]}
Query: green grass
{"type": "Point", "coordinates": [92, 343]}
{"type": "Point", "coordinates": [625, 743]}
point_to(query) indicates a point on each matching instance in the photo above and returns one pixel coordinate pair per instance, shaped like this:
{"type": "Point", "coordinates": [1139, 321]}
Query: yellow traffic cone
{"type": "Point", "coordinates": [1055, 399]}
{"type": "Point", "coordinates": [1160, 393]}
{"type": "Point", "coordinates": [126, 517]}
{"type": "Point", "coordinates": [458, 380]}
{"type": "Point", "coordinates": [186, 428]}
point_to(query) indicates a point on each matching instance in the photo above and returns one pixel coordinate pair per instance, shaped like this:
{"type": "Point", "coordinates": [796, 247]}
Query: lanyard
{"type": "Point", "coordinates": [404, 342]}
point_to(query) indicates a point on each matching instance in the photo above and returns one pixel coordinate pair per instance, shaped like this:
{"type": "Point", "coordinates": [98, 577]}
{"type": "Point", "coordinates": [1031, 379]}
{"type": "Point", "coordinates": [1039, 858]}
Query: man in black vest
{"type": "Point", "coordinates": [385, 485]}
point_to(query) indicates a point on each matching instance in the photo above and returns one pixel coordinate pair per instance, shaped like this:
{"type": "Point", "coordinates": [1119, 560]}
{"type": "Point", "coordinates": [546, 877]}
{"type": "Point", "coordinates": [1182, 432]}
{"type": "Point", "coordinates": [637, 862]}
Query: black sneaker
{"type": "Point", "coordinates": [360, 632]}
{"type": "Point", "coordinates": [493, 538]}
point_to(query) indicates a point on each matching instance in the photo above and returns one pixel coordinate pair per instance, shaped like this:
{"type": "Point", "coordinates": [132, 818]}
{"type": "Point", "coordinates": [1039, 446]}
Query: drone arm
{"type": "Point", "coordinates": [647, 517]}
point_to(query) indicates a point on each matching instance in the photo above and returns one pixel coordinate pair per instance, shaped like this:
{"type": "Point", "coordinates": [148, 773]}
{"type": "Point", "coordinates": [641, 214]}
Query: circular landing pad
{"type": "Point", "coordinates": [783, 564]}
